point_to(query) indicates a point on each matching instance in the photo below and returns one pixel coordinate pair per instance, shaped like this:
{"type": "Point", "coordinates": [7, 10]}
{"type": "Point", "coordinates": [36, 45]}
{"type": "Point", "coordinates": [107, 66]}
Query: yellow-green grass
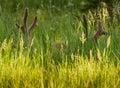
{"type": "Point", "coordinates": [83, 64]}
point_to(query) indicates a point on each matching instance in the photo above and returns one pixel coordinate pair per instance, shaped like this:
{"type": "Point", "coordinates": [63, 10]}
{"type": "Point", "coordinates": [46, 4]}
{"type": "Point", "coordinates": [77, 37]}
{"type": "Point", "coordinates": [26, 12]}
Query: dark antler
{"type": "Point", "coordinates": [23, 27]}
{"type": "Point", "coordinates": [25, 17]}
{"type": "Point", "coordinates": [33, 24]}
{"type": "Point", "coordinates": [26, 30]}
{"type": "Point", "coordinates": [99, 32]}
{"type": "Point", "coordinates": [85, 23]}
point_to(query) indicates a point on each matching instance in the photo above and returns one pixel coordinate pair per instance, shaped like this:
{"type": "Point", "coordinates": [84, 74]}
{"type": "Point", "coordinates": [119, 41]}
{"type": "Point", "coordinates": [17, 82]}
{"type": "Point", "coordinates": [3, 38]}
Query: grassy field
{"type": "Point", "coordinates": [58, 54]}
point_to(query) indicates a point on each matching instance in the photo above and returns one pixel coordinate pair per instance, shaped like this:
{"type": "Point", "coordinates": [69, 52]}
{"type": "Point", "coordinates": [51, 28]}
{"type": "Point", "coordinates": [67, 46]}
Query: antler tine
{"type": "Point", "coordinates": [100, 26]}
{"type": "Point", "coordinates": [17, 25]}
{"type": "Point", "coordinates": [33, 24]}
{"type": "Point", "coordinates": [25, 17]}
{"type": "Point", "coordinates": [85, 25]}
{"type": "Point", "coordinates": [99, 32]}
{"type": "Point", "coordinates": [84, 18]}
{"type": "Point", "coordinates": [100, 29]}
{"type": "Point", "coordinates": [20, 27]}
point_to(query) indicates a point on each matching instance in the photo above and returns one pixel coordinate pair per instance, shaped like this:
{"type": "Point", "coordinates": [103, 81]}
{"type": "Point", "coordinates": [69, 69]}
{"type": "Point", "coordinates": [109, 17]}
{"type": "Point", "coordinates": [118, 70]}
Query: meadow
{"type": "Point", "coordinates": [59, 55]}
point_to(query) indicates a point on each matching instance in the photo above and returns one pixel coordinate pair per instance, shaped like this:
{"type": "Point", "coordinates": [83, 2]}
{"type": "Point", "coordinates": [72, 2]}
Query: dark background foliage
{"type": "Point", "coordinates": [64, 4]}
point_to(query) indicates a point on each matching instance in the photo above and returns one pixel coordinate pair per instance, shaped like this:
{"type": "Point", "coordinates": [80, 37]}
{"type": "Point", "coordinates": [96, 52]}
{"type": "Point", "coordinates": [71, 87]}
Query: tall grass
{"type": "Point", "coordinates": [84, 63]}
{"type": "Point", "coordinates": [18, 70]}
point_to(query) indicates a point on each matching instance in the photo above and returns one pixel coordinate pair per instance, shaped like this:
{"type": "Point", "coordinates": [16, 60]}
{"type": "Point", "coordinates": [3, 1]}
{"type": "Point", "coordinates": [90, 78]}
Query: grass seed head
{"type": "Point", "coordinates": [82, 38]}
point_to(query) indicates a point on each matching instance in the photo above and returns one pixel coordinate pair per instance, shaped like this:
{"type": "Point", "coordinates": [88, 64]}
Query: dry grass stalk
{"type": "Point", "coordinates": [26, 30]}
{"type": "Point", "coordinates": [99, 32]}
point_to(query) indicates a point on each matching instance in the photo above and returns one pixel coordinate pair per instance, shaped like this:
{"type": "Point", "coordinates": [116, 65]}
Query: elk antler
{"type": "Point", "coordinates": [26, 30]}
{"type": "Point", "coordinates": [33, 24]}
{"type": "Point", "coordinates": [85, 23]}
{"type": "Point", "coordinates": [25, 17]}
{"type": "Point", "coordinates": [99, 32]}
{"type": "Point", "coordinates": [22, 27]}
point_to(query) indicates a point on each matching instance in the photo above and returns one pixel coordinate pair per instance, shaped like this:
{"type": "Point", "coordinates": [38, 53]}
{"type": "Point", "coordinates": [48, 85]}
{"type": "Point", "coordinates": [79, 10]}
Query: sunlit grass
{"type": "Point", "coordinates": [21, 71]}
{"type": "Point", "coordinates": [83, 63]}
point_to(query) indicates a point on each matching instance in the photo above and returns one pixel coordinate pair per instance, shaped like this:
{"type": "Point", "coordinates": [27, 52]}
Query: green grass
{"type": "Point", "coordinates": [41, 65]}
